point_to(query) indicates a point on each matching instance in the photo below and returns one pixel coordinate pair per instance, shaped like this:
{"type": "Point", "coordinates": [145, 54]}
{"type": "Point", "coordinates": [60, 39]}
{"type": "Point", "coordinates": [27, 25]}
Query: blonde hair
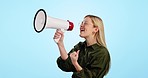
{"type": "Point", "coordinates": [100, 35]}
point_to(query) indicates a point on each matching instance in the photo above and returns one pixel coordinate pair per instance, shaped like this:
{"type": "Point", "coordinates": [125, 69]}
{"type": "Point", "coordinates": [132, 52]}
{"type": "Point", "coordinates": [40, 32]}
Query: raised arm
{"type": "Point", "coordinates": [63, 53]}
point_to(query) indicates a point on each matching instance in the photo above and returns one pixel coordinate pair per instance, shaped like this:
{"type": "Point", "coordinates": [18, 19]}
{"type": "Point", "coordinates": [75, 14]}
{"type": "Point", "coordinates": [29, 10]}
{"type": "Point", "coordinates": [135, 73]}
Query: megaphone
{"type": "Point", "coordinates": [42, 21]}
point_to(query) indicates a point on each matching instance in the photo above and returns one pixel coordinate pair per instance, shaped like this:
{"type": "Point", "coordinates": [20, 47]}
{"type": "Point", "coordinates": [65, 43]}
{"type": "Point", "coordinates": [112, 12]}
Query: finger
{"type": "Point", "coordinates": [73, 54]}
{"type": "Point", "coordinates": [55, 37]}
{"type": "Point", "coordinates": [78, 52]}
{"type": "Point", "coordinates": [57, 30]}
{"type": "Point", "coordinates": [60, 32]}
{"type": "Point", "coordinates": [57, 34]}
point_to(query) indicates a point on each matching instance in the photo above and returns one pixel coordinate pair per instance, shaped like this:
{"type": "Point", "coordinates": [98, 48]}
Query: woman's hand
{"type": "Point", "coordinates": [74, 56]}
{"type": "Point", "coordinates": [59, 35]}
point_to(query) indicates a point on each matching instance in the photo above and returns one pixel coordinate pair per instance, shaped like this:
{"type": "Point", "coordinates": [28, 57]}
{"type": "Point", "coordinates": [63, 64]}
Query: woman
{"type": "Point", "coordinates": [88, 59]}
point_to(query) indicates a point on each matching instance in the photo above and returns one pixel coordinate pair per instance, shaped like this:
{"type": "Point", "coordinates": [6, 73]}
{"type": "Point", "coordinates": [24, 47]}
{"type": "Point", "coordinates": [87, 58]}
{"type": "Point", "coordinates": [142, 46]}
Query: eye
{"type": "Point", "coordinates": [84, 23]}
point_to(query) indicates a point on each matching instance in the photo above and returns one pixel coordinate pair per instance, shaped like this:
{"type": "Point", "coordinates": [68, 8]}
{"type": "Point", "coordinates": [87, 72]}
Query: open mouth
{"type": "Point", "coordinates": [82, 30]}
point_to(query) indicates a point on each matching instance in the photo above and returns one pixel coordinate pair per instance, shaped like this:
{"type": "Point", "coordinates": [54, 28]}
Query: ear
{"type": "Point", "coordinates": [96, 29]}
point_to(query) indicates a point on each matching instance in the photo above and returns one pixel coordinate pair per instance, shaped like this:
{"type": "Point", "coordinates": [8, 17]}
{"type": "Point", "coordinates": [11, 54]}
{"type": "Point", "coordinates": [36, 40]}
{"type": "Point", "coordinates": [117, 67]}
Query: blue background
{"type": "Point", "coordinates": [27, 54]}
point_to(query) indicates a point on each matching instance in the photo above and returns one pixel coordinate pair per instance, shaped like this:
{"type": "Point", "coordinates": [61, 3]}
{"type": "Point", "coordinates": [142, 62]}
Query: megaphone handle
{"type": "Point", "coordinates": [57, 40]}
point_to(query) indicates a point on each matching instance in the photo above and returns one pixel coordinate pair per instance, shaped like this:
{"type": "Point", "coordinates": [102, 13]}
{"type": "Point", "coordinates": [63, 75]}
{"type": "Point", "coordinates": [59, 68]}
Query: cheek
{"type": "Point", "coordinates": [89, 30]}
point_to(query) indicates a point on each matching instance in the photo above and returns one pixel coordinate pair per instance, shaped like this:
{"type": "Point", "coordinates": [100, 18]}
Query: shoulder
{"type": "Point", "coordinates": [98, 47]}
{"type": "Point", "coordinates": [100, 51]}
{"type": "Point", "coordinates": [103, 49]}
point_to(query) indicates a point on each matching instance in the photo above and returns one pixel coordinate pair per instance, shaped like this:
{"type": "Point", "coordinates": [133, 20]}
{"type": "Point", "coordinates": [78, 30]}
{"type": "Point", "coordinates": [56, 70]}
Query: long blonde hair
{"type": "Point", "coordinates": [100, 35]}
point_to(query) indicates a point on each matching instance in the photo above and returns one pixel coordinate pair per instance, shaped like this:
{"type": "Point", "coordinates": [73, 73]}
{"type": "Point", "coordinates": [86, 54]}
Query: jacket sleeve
{"type": "Point", "coordinates": [66, 65]}
{"type": "Point", "coordinates": [95, 68]}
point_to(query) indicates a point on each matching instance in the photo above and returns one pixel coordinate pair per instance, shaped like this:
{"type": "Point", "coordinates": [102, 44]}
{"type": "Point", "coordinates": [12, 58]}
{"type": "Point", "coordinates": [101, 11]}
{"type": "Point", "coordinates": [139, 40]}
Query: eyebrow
{"type": "Point", "coordinates": [84, 21]}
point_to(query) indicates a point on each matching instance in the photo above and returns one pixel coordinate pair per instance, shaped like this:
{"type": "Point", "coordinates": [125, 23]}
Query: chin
{"type": "Point", "coordinates": [81, 36]}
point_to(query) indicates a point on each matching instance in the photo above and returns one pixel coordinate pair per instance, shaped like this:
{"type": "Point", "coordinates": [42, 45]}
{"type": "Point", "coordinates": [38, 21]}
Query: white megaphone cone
{"type": "Point", "coordinates": [42, 21]}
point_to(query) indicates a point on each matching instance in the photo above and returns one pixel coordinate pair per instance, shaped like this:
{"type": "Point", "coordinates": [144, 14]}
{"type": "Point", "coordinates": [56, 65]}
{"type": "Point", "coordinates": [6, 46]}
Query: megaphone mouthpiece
{"type": "Point", "coordinates": [71, 25]}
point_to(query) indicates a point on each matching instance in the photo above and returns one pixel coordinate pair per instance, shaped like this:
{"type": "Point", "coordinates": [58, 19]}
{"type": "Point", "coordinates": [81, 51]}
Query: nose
{"type": "Point", "coordinates": [82, 24]}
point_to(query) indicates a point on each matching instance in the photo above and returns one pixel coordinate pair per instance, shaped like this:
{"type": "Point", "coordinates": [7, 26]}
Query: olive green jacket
{"type": "Point", "coordinates": [93, 59]}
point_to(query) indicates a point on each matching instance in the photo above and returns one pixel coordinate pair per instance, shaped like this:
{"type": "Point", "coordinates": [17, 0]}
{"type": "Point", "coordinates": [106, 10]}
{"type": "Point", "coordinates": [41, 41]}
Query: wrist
{"type": "Point", "coordinates": [77, 66]}
{"type": "Point", "coordinates": [60, 44]}
{"type": "Point", "coordinates": [75, 63]}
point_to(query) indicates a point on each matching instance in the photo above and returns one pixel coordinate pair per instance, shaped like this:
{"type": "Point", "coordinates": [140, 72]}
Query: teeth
{"type": "Point", "coordinates": [82, 30]}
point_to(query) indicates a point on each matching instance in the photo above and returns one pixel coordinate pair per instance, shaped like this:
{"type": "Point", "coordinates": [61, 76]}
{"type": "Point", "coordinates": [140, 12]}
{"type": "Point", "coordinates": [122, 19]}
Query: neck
{"type": "Point", "coordinates": [90, 41]}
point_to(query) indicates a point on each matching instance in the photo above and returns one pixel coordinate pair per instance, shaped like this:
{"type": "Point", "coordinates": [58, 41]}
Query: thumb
{"type": "Point", "coordinates": [78, 52]}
